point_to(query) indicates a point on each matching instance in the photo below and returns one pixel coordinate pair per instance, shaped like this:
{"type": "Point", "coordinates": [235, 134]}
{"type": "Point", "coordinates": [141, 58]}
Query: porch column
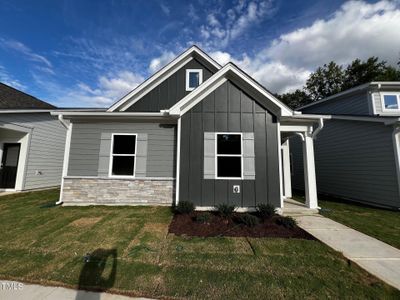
{"type": "Point", "coordinates": [287, 180]}
{"type": "Point", "coordinates": [309, 172]}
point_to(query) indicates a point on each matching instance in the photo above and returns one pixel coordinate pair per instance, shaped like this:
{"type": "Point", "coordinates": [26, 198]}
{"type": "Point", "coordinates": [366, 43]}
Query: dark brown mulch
{"type": "Point", "coordinates": [186, 224]}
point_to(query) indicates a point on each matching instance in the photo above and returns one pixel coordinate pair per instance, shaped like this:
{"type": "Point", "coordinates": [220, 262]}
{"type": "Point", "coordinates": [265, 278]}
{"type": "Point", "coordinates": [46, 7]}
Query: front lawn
{"type": "Point", "coordinates": [379, 223]}
{"type": "Point", "coordinates": [130, 251]}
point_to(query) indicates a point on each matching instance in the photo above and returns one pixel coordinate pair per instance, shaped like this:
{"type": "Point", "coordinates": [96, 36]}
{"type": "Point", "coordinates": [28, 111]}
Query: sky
{"type": "Point", "coordinates": [89, 53]}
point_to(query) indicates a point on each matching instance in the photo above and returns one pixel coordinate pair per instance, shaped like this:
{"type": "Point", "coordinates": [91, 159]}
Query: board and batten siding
{"type": "Point", "coordinates": [170, 91]}
{"type": "Point", "coordinates": [45, 151]}
{"type": "Point", "coordinates": [354, 160]}
{"type": "Point", "coordinates": [91, 146]}
{"type": "Point", "coordinates": [229, 109]}
{"type": "Point", "coordinates": [349, 104]}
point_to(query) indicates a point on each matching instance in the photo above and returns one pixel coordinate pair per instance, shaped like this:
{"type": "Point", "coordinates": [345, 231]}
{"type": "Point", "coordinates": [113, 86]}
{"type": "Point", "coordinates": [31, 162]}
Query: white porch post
{"type": "Point", "coordinates": [309, 171]}
{"type": "Point", "coordinates": [287, 180]}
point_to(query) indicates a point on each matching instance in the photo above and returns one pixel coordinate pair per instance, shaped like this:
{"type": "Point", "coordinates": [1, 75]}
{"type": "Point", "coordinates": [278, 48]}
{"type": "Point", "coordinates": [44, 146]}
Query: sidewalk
{"type": "Point", "coordinates": [21, 291]}
{"type": "Point", "coordinates": [378, 258]}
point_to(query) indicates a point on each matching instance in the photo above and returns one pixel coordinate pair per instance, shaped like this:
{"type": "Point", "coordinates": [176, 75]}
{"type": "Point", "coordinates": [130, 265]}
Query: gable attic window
{"type": "Point", "coordinates": [391, 101]}
{"type": "Point", "coordinates": [229, 155]}
{"type": "Point", "coordinates": [123, 155]}
{"type": "Point", "coordinates": [194, 77]}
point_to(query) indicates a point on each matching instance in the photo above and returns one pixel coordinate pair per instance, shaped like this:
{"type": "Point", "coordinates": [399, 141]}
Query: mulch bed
{"type": "Point", "coordinates": [186, 224]}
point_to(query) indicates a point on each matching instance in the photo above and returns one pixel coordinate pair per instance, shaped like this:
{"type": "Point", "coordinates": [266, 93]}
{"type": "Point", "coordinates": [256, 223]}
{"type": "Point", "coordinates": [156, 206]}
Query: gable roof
{"type": "Point", "coordinates": [162, 74]}
{"type": "Point", "coordinates": [11, 98]}
{"type": "Point", "coordinates": [231, 71]}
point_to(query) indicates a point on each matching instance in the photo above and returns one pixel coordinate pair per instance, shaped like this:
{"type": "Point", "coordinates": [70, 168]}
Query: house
{"type": "Point", "coordinates": [31, 142]}
{"type": "Point", "coordinates": [193, 131]}
{"type": "Point", "coordinates": [357, 153]}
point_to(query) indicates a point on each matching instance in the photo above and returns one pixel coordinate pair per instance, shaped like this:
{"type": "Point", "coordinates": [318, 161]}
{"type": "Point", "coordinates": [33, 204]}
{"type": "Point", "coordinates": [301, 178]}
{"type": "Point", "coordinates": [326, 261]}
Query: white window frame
{"type": "Point", "coordinates": [188, 71]}
{"type": "Point", "coordinates": [112, 156]}
{"type": "Point", "coordinates": [384, 109]}
{"type": "Point", "coordinates": [229, 155]}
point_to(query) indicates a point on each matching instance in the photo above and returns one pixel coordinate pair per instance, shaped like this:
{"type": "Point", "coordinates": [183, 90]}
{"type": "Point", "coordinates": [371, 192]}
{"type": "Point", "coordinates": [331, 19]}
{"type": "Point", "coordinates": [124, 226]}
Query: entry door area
{"type": "Point", "coordinates": [9, 165]}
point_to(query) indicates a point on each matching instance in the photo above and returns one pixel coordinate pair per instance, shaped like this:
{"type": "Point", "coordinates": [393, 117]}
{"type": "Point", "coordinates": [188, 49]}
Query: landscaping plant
{"type": "Point", "coordinates": [287, 222]}
{"type": "Point", "coordinates": [184, 207]}
{"type": "Point", "coordinates": [249, 220]}
{"type": "Point", "coordinates": [203, 218]}
{"type": "Point", "coordinates": [265, 211]}
{"type": "Point", "coordinates": [225, 210]}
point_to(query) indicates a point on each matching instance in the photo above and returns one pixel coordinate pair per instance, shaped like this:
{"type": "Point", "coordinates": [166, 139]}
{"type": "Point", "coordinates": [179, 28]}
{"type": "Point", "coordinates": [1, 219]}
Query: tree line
{"type": "Point", "coordinates": [332, 78]}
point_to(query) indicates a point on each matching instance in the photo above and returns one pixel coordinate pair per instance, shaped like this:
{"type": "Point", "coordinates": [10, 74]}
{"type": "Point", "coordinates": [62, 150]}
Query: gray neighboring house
{"type": "Point", "coordinates": [357, 153]}
{"type": "Point", "coordinates": [193, 131]}
{"type": "Point", "coordinates": [32, 142]}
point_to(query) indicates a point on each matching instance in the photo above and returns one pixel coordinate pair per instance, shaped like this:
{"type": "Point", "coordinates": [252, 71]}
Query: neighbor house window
{"type": "Point", "coordinates": [229, 155]}
{"type": "Point", "coordinates": [391, 101]}
{"type": "Point", "coordinates": [194, 77]}
{"type": "Point", "coordinates": [123, 155]}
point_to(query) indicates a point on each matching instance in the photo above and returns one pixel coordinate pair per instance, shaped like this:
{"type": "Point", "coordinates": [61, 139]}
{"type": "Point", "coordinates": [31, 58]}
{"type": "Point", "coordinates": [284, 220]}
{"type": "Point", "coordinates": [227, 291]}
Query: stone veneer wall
{"type": "Point", "coordinates": [85, 191]}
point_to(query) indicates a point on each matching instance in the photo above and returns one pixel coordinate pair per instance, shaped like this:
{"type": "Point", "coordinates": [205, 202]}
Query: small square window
{"type": "Point", "coordinates": [194, 77]}
{"type": "Point", "coordinates": [390, 102]}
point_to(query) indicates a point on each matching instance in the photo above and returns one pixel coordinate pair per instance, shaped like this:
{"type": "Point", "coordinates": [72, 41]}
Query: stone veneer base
{"type": "Point", "coordinates": [111, 191]}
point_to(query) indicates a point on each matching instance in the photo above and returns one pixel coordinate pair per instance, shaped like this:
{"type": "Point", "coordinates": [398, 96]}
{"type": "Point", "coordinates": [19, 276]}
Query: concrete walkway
{"type": "Point", "coordinates": [378, 258]}
{"type": "Point", "coordinates": [21, 291]}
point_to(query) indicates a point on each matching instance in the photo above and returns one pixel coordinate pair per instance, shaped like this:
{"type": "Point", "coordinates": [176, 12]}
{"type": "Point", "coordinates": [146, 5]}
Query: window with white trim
{"type": "Point", "coordinates": [123, 155]}
{"type": "Point", "coordinates": [391, 101]}
{"type": "Point", "coordinates": [229, 155]}
{"type": "Point", "coordinates": [194, 77]}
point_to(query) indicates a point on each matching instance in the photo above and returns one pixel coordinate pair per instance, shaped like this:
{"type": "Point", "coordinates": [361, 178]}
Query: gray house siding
{"type": "Point", "coordinates": [353, 160]}
{"type": "Point", "coordinates": [350, 104]}
{"type": "Point", "coordinates": [91, 142]}
{"type": "Point", "coordinates": [46, 150]}
{"type": "Point", "coordinates": [228, 109]}
{"type": "Point", "coordinates": [170, 91]}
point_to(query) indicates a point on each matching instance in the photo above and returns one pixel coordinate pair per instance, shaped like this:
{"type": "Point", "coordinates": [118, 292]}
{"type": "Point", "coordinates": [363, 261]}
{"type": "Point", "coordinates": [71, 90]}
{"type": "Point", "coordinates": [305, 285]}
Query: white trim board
{"type": "Point", "coordinates": [160, 76]}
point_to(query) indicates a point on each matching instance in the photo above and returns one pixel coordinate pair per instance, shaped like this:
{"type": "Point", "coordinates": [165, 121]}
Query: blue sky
{"type": "Point", "coordinates": [89, 53]}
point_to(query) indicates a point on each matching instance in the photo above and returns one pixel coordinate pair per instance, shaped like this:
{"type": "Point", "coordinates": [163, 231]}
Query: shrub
{"type": "Point", "coordinates": [287, 222]}
{"type": "Point", "coordinates": [266, 211]}
{"type": "Point", "coordinates": [225, 210]}
{"type": "Point", "coordinates": [248, 220]}
{"type": "Point", "coordinates": [203, 218]}
{"type": "Point", "coordinates": [184, 207]}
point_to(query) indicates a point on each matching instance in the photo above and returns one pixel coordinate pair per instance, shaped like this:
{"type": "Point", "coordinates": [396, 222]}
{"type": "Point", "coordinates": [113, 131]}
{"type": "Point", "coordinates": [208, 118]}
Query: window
{"type": "Point", "coordinates": [229, 155]}
{"type": "Point", "coordinates": [391, 101]}
{"type": "Point", "coordinates": [194, 77]}
{"type": "Point", "coordinates": [123, 155]}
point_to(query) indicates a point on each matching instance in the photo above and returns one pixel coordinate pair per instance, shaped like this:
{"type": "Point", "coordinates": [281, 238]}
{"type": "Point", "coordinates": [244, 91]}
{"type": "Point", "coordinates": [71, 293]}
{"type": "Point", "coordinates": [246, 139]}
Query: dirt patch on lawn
{"type": "Point", "coordinates": [187, 224]}
{"type": "Point", "coordinates": [83, 222]}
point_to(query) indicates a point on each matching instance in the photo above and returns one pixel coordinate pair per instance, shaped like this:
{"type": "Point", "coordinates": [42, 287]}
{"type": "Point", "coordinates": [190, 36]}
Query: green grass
{"type": "Point", "coordinates": [380, 223]}
{"type": "Point", "coordinates": [135, 255]}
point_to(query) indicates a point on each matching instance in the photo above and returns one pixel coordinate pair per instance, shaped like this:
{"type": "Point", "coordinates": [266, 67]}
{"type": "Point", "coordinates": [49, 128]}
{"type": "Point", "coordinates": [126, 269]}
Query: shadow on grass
{"type": "Point", "coordinates": [98, 273]}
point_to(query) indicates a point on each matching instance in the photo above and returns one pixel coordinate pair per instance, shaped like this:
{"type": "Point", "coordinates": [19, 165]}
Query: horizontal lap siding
{"type": "Point", "coordinates": [170, 91]}
{"type": "Point", "coordinates": [353, 104]}
{"type": "Point", "coordinates": [229, 109]}
{"type": "Point", "coordinates": [356, 160]}
{"type": "Point", "coordinates": [86, 139]}
{"type": "Point", "coordinates": [46, 149]}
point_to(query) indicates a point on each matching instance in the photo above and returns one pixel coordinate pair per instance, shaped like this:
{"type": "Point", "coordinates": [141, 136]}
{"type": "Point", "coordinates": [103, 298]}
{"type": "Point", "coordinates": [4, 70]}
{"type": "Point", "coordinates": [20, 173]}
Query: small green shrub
{"type": "Point", "coordinates": [203, 218]}
{"type": "Point", "coordinates": [249, 220]}
{"type": "Point", "coordinates": [265, 211]}
{"type": "Point", "coordinates": [184, 207]}
{"type": "Point", "coordinates": [287, 222]}
{"type": "Point", "coordinates": [225, 210]}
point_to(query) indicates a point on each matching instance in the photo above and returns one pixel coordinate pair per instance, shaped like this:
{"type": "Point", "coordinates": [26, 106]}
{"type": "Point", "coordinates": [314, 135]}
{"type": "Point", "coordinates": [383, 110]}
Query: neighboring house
{"type": "Point", "coordinates": [31, 142]}
{"type": "Point", "coordinates": [357, 153]}
{"type": "Point", "coordinates": [193, 131]}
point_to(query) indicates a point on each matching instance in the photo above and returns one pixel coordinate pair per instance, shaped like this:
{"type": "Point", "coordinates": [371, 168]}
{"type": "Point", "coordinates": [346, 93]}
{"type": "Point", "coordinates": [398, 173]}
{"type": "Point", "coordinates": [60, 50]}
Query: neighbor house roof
{"type": "Point", "coordinates": [11, 98]}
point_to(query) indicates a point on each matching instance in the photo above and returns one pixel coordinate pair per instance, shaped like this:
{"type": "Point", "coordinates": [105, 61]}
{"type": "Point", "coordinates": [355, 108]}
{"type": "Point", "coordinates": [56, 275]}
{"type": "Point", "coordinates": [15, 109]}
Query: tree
{"type": "Point", "coordinates": [295, 99]}
{"type": "Point", "coordinates": [325, 81]}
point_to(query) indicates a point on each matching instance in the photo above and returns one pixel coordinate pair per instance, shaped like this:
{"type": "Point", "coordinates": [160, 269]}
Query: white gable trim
{"type": "Point", "coordinates": [217, 80]}
{"type": "Point", "coordinates": [133, 96]}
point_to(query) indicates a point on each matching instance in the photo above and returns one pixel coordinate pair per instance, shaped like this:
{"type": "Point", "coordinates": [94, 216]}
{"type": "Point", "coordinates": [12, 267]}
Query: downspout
{"type": "Point", "coordinates": [66, 126]}
{"type": "Point", "coordinates": [319, 128]}
{"type": "Point", "coordinates": [62, 121]}
{"type": "Point", "coordinates": [396, 146]}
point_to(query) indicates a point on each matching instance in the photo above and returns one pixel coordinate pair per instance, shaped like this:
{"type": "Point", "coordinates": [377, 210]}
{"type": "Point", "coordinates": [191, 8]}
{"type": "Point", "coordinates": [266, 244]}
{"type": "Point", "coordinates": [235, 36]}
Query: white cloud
{"type": "Point", "coordinates": [159, 62]}
{"type": "Point", "coordinates": [6, 78]}
{"type": "Point", "coordinates": [165, 9]}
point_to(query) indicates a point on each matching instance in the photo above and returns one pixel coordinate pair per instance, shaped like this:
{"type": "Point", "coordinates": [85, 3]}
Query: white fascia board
{"type": "Point", "coordinates": [24, 111]}
{"type": "Point", "coordinates": [159, 76]}
{"type": "Point", "coordinates": [115, 115]}
{"type": "Point", "coordinates": [217, 80]}
{"type": "Point", "coordinates": [309, 116]}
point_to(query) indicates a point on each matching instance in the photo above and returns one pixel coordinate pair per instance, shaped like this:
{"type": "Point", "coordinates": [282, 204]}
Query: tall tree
{"type": "Point", "coordinates": [325, 81]}
{"type": "Point", "coordinates": [295, 99]}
